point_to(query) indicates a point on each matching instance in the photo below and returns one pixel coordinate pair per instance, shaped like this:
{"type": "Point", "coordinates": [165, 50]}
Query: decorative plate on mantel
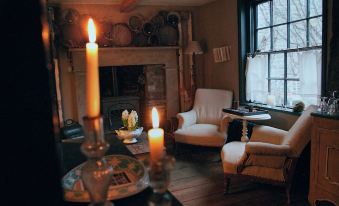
{"type": "Point", "coordinates": [129, 177]}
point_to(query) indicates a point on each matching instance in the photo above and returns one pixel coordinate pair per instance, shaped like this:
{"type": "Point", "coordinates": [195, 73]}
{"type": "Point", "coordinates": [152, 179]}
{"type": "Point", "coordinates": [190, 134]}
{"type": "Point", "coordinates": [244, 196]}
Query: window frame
{"type": "Point", "coordinates": [247, 41]}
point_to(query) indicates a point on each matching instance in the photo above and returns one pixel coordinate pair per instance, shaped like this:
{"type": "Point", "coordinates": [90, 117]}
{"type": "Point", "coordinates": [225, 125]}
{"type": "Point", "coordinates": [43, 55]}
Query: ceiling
{"type": "Point", "coordinates": [142, 2]}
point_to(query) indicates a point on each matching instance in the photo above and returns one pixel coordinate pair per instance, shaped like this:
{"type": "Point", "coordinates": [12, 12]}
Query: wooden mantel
{"type": "Point", "coordinates": [117, 56]}
{"type": "Point", "coordinates": [124, 56]}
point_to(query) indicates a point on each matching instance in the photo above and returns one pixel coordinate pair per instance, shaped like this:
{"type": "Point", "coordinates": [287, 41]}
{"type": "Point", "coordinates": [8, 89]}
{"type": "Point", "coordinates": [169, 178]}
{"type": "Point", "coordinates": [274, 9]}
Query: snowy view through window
{"type": "Point", "coordinates": [284, 30]}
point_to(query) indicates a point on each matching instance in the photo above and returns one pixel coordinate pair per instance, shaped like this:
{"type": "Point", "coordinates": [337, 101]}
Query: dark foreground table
{"type": "Point", "coordinates": [72, 157]}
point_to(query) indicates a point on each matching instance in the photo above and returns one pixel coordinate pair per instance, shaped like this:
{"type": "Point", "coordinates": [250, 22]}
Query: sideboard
{"type": "Point", "coordinates": [324, 174]}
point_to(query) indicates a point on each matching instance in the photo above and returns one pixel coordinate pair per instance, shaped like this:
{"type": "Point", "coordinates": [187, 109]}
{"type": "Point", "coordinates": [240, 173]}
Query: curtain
{"type": "Point", "coordinates": [310, 76]}
{"type": "Point", "coordinates": [256, 78]}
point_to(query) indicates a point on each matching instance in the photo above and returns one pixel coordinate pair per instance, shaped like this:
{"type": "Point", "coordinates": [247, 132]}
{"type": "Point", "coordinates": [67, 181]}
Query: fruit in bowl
{"type": "Point", "coordinates": [129, 136]}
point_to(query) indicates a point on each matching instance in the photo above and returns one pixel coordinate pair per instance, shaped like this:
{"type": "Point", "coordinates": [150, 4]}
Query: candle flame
{"type": "Point", "coordinates": [91, 31]}
{"type": "Point", "coordinates": [155, 118]}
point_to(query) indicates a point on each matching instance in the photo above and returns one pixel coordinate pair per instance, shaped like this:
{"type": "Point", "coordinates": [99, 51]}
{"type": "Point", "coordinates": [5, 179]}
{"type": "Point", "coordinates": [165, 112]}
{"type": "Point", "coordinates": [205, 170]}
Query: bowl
{"type": "Point", "coordinates": [129, 136]}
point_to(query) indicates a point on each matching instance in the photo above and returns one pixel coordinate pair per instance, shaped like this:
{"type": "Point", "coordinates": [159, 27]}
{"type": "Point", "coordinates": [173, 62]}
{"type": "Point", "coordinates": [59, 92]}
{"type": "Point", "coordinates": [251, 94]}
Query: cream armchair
{"type": "Point", "coordinates": [205, 124]}
{"type": "Point", "coordinates": [271, 154]}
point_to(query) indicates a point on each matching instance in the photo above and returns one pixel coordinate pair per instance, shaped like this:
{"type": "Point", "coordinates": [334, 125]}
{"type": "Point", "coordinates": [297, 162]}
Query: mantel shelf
{"type": "Point", "coordinates": [126, 48]}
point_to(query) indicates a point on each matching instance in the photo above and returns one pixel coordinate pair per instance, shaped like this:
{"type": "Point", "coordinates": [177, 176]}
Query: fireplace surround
{"type": "Point", "coordinates": [151, 57]}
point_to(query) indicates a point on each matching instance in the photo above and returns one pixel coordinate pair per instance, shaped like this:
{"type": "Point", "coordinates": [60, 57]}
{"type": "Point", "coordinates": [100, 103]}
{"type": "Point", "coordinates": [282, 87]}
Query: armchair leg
{"type": "Point", "coordinates": [176, 146]}
{"type": "Point", "coordinates": [227, 182]}
{"type": "Point", "coordinates": [288, 194]}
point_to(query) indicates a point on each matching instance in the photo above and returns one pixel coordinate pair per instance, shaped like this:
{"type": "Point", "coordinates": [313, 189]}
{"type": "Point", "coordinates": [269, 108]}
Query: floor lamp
{"type": "Point", "coordinates": [193, 48]}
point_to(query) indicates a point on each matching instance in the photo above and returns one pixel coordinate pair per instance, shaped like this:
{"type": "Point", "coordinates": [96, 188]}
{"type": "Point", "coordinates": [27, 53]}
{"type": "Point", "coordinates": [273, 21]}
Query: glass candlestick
{"type": "Point", "coordinates": [96, 174]}
{"type": "Point", "coordinates": [159, 174]}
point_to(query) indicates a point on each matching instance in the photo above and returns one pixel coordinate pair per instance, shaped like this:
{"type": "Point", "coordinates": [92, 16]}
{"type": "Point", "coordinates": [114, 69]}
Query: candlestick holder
{"type": "Point", "coordinates": [159, 174]}
{"type": "Point", "coordinates": [96, 174]}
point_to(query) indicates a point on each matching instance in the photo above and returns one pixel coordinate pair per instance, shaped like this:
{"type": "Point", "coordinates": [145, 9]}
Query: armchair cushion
{"type": "Point", "coordinates": [233, 156]}
{"type": "Point", "coordinates": [200, 134]}
{"type": "Point", "coordinates": [186, 119]}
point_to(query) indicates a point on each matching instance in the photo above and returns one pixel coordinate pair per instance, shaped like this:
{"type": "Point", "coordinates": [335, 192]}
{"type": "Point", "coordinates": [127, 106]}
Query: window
{"type": "Point", "coordinates": [287, 36]}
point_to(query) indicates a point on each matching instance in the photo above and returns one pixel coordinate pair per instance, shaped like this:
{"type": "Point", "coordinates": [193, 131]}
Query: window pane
{"type": "Point", "coordinates": [264, 40]}
{"type": "Point", "coordinates": [292, 65]}
{"type": "Point", "coordinates": [279, 11]}
{"type": "Point", "coordinates": [256, 78]}
{"type": "Point", "coordinates": [315, 31]}
{"type": "Point", "coordinates": [263, 11]}
{"type": "Point", "coordinates": [277, 89]}
{"type": "Point", "coordinates": [316, 7]}
{"type": "Point", "coordinates": [280, 37]}
{"type": "Point", "coordinates": [293, 92]}
{"type": "Point", "coordinates": [298, 35]}
{"type": "Point", "coordinates": [298, 9]}
{"type": "Point", "coordinates": [277, 65]}
{"type": "Point", "coordinates": [307, 68]}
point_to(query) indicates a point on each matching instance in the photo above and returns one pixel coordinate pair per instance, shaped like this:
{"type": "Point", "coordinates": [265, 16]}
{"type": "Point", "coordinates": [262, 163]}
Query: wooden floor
{"type": "Point", "coordinates": [197, 180]}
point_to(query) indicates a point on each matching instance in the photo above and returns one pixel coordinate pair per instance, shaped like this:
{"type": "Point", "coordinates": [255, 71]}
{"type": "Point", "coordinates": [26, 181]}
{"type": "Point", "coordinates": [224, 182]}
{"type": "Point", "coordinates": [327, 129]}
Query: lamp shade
{"type": "Point", "coordinates": [193, 48]}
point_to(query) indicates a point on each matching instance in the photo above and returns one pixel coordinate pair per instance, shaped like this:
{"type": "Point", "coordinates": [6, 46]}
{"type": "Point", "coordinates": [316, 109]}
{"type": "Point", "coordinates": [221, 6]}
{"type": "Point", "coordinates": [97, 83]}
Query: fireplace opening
{"type": "Point", "coordinates": [135, 87]}
{"type": "Point", "coordinates": [122, 81]}
{"type": "Point", "coordinates": [121, 87]}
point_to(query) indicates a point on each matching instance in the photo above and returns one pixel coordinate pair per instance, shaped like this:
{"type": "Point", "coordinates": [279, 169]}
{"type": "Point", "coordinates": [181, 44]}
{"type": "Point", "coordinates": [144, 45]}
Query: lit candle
{"type": "Point", "coordinates": [92, 73]}
{"type": "Point", "coordinates": [156, 138]}
{"type": "Point", "coordinates": [270, 100]}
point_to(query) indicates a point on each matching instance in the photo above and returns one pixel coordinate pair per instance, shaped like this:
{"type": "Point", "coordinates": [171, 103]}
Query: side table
{"type": "Point", "coordinates": [244, 137]}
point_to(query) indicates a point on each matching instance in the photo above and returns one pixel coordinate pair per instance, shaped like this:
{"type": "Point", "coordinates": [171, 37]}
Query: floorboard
{"type": "Point", "coordinates": [198, 181]}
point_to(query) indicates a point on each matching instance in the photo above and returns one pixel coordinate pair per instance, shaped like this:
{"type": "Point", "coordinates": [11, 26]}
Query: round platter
{"type": "Point", "coordinates": [130, 177]}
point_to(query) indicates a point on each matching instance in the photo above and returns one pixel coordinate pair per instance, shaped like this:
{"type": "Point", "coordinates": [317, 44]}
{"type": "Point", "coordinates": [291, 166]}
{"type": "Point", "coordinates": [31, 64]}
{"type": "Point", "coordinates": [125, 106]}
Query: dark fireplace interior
{"type": "Point", "coordinates": [122, 81]}
{"type": "Point", "coordinates": [136, 87]}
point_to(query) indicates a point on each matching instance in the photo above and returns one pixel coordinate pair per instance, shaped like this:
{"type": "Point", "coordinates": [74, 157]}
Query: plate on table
{"type": "Point", "coordinates": [129, 177]}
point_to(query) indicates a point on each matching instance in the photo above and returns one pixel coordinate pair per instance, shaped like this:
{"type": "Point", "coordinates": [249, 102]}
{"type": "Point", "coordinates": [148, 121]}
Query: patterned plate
{"type": "Point", "coordinates": [130, 177]}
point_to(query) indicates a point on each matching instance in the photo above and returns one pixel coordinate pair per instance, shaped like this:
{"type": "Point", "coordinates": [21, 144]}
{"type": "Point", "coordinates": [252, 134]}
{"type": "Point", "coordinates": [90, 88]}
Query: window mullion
{"type": "Point", "coordinates": [269, 55]}
{"type": "Point", "coordinates": [285, 78]}
{"type": "Point", "coordinates": [308, 23]}
{"type": "Point", "coordinates": [269, 72]}
{"type": "Point", "coordinates": [271, 24]}
{"type": "Point", "coordinates": [288, 24]}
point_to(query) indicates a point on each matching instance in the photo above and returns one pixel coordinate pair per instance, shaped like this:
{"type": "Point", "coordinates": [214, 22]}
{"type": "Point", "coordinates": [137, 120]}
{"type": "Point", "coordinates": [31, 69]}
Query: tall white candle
{"type": "Point", "coordinates": [156, 138]}
{"type": "Point", "coordinates": [92, 73]}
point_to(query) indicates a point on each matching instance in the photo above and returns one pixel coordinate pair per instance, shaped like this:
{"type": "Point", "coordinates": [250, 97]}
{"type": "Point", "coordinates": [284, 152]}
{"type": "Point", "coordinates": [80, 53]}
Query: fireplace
{"type": "Point", "coordinates": [132, 87]}
{"type": "Point", "coordinates": [159, 65]}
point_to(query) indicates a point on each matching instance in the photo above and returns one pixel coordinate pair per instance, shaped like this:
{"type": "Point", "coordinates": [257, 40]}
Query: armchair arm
{"type": "Point", "coordinates": [224, 123]}
{"type": "Point", "coordinates": [186, 119]}
{"type": "Point", "coordinates": [262, 148]}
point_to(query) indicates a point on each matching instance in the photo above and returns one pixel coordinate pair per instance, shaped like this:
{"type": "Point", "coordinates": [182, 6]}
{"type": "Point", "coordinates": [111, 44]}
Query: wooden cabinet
{"type": "Point", "coordinates": [324, 176]}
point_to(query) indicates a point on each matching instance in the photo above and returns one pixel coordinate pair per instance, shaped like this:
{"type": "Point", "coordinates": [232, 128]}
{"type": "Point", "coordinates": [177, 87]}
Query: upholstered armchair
{"type": "Point", "coordinates": [205, 124]}
{"type": "Point", "coordinates": [271, 154]}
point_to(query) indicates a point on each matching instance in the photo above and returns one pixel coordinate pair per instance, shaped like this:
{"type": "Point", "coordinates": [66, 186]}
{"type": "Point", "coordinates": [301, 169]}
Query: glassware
{"type": "Point", "coordinates": [159, 174]}
{"type": "Point", "coordinates": [235, 105]}
{"type": "Point", "coordinates": [333, 107]}
{"type": "Point", "coordinates": [323, 106]}
{"type": "Point", "coordinates": [96, 174]}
